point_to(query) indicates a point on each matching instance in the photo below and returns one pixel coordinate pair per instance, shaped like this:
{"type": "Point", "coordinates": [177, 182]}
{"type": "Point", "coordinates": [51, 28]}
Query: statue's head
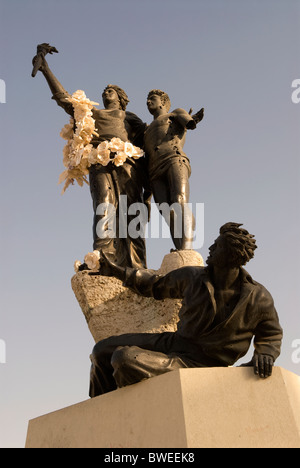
{"type": "Point", "coordinates": [164, 98]}
{"type": "Point", "coordinates": [119, 92]}
{"type": "Point", "coordinates": [233, 248]}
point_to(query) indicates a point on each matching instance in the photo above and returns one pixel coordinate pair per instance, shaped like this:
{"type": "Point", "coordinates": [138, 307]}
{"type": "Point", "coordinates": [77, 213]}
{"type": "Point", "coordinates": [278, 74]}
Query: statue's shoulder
{"type": "Point", "coordinates": [180, 112]}
{"type": "Point", "coordinates": [261, 293]}
{"type": "Point", "coordinates": [133, 118]}
{"type": "Point", "coordinates": [131, 115]}
{"type": "Point", "coordinates": [193, 271]}
{"type": "Point", "coordinates": [181, 116]}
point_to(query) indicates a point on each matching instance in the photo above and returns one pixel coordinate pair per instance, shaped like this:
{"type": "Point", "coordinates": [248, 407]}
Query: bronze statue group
{"type": "Point", "coordinates": [223, 307]}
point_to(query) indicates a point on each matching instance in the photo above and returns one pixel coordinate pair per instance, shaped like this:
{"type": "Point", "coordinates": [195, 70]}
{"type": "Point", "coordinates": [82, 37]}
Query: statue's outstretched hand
{"type": "Point", "coordinates": [39, 64]}
{"type": "Point", "coordinates": [198, 116]}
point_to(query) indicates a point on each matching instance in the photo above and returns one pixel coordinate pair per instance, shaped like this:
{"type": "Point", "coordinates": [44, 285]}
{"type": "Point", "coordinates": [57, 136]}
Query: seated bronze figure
{"type": "Point", "coordinates": [223, 308]}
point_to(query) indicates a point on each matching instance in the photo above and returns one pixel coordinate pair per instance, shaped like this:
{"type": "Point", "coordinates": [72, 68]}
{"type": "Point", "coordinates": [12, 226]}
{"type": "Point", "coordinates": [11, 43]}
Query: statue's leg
{"type": "Point", "coordinates": [132, 364]}
{"type": "Point", "coordinates": [161, 195]}
{"type": "Point", "coordinates": [126, 359]}
{"type": "Point", "coordinates": [131, 227]}
{"type": "Point", "coordinates": [104, 202]}
{"type": "Point", "coordinates": [182, 219]}
{"type": "Point", "coordinates": [101, 376]}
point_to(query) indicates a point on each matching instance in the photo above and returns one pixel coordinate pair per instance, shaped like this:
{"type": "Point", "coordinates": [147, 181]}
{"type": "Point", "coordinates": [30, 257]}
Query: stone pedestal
{"type": "Point", "coordinates": [111, 309]}
{"type": "Point", "coordinates": [188, 408]}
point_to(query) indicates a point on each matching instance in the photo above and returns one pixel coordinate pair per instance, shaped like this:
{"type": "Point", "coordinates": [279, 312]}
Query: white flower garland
{"type": "Point", "coordinates": [79, 154]}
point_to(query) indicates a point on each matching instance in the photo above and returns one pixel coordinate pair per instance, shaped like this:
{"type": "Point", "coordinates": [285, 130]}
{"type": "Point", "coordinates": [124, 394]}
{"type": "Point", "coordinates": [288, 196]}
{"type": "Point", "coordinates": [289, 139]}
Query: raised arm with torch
{"type": "Point", "coordinates": [42, 50]}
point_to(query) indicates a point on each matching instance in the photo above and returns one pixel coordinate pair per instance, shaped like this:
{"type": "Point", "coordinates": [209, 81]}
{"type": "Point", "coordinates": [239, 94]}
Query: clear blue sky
{"type": "Point", "coordinates": [236, 58]}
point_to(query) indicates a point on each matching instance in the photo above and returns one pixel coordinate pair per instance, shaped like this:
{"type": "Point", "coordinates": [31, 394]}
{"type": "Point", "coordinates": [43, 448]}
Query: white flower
{"type": "Point", "coordinates": [104, 145]}
{"type": "Point", "coordinates": [87, 124]}
{"type": "Point", "coordinates": [80, 112]}
{"type": "Point", "coordinates": [79, 97]}
{"type": "Point", "coordinates": [92, 157]}
{"type": "Point", "coordinates": [120, 158]}
{"type": "Point", "coordinates": [67, 132]}
{"type": "Point", "coordinates": [75, 157]}
{"type": "Point", "coordinates": [128, 149]}
{"type": "Point", "coordinates": [103, 153]}
{"type": "Point", "coordinates": [86, 151]}
{"type": "Point", "coordinates": [92, 259]}
{"type": "Point", "coordinates": [133, 151]}
{"type": "Point", "coordinates": [77, 264]}
{"type": "Point", "coordinates": [77, 141]}
{"type": "Point", "coordinates": [67, 151]}
{"type": "Point", "coordinates": [116, 144]}
{"type": "Point", "coordinates": [103, 157]}
{"type": "Point", "coordinates": [137, 153]}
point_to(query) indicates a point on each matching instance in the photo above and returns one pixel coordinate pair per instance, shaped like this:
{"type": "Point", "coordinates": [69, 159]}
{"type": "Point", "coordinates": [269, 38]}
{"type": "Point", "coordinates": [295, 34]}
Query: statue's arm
{"type": "Point", "coordinates": [268, 332]}
{"type": "Point", "coordinates": [137, 129]}
{"type": "Point", "coordinates": [267, 337]}
{"type": "Point", "coordinates": [184, 119]}
{"type": "Point", "coordinates": [146, 282]}
{"type": "Point", "coordinates": [267, 344]}
{"type": "Point", "coordinates": [59, 93]}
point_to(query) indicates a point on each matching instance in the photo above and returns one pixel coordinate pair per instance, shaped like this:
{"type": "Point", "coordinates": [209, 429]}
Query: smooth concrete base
{"type": "Point", "coordinates": [188, 408]}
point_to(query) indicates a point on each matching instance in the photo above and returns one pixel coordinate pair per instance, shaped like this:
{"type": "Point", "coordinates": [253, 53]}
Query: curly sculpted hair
{"type": "Point", "coordinates": [241, 245]}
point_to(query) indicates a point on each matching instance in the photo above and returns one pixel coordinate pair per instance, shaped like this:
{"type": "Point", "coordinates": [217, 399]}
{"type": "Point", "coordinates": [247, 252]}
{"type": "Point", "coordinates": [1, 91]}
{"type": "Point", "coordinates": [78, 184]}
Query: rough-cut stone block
{"type": "Point", "coordinates": [188, 408]}
{"type": "Point", "coordinates": [111, 309]}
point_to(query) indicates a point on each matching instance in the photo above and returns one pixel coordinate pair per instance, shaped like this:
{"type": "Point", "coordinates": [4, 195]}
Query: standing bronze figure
{"type": "Point", "coordinates": [169, 167]}
{"type": "Point", "coordinates": [109, 182]}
